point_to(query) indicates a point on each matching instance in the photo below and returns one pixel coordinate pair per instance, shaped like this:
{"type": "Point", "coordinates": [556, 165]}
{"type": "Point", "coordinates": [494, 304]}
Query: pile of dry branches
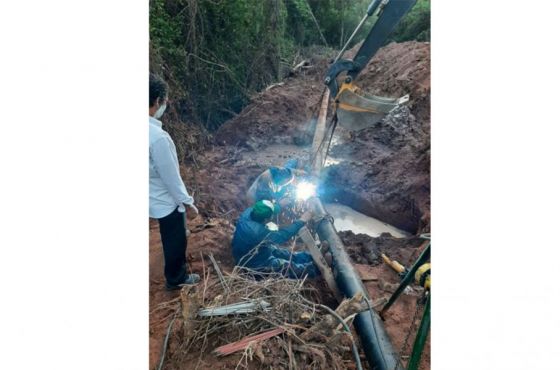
{"type": "Point", "coordinates": [308, 335]}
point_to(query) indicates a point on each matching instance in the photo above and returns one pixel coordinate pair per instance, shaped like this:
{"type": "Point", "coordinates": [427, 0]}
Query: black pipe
{"type": "Point", "coordinates": [369, 326]}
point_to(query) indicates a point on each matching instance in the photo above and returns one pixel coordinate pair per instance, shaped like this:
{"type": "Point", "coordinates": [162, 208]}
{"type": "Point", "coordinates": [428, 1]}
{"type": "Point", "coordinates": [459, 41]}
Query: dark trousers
{"type": "Point", "coordinates": [174, 239]}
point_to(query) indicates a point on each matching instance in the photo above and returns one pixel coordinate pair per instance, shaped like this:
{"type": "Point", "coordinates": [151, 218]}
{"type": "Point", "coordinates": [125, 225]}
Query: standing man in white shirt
{"type": "Point", "coordinates": [168, 195]}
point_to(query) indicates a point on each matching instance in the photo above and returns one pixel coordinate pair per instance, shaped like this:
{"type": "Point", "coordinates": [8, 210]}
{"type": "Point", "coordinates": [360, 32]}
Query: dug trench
{"type": "Point", "coordinates": [381, 172]}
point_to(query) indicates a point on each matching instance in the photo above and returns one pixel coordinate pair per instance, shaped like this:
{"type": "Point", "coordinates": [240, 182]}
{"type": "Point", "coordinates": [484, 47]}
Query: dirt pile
{"type": "Point", "coordinates": [278, 114]}
{"type": "Point", "coordinates": [384, 171]}
{"type": "Point", "coordinates": [399, 69]}
{"type": "Point", "coordinates": [282, 114]}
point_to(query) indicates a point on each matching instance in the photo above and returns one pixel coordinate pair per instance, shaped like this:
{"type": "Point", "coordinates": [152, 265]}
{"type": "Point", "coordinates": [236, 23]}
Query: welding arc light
{"type": "Point", "coordinates": [305, 190]}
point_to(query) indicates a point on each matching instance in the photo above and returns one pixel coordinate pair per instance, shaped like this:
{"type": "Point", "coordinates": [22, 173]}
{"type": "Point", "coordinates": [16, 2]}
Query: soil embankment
{"type": "Point", "coordinates": [385, 170]}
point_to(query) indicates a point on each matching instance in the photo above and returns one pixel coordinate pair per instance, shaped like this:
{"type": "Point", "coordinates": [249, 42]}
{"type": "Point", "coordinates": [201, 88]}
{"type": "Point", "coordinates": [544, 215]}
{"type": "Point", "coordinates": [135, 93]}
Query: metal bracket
{"type": "Point", "coordinates": [334, 70]}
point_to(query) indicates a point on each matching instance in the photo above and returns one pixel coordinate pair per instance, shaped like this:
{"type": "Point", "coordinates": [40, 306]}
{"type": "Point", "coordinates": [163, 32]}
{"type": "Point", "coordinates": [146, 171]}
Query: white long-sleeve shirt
{"type": "Point", "coordinates": [167, 190]}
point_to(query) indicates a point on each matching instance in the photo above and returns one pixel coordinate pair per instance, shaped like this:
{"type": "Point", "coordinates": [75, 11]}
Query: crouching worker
{"type": "Point", "coordinates": [275, 184]}
{"type": "Point", "coordinates": [256, 243]}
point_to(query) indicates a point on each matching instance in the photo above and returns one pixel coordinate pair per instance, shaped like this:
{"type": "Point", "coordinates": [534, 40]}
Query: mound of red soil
{"type": "Point", "coordinates": [399, 69]}
{"type": "Point", "coordinates": [385, 172]}
{"type": "Point", "coordinates": [282, 114]}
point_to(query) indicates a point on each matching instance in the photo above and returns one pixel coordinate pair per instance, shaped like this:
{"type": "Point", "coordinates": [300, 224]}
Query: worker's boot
{"type": "Point", "coordinates": [189, 280]}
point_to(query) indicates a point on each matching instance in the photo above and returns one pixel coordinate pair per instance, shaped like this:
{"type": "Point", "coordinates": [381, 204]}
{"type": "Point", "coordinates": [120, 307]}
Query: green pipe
{"type": "Point", "coordinates": [421, 337]}
{"type": "Point", "coordinates": [408, 278]}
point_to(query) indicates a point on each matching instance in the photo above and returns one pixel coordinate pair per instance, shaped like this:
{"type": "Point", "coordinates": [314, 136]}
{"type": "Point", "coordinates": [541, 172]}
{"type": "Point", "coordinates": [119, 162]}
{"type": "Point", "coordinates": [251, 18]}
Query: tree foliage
{"type": "Point", "coordinates": [415, 25]}
{"type": "Point", "coordinates": [216, 53]}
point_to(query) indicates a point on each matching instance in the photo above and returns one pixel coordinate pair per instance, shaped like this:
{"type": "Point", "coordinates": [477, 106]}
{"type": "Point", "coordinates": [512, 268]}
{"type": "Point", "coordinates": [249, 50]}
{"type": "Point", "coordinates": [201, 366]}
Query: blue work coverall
{"type": "Point", "coordinates": [268, 257]}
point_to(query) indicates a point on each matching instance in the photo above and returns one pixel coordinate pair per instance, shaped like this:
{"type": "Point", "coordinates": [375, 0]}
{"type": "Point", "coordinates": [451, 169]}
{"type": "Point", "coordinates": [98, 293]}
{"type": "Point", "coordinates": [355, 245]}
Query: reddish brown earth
{"type": "Point", "coordinates": [383, 172]}
{"type": "Point", "coordinates": [282, 115]}
{"type": "Point", "coordinates": [212, 239]}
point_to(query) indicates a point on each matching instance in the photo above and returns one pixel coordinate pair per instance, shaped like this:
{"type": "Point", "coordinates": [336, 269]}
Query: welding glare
{"type": "Point", "coordinates": [305, 190]}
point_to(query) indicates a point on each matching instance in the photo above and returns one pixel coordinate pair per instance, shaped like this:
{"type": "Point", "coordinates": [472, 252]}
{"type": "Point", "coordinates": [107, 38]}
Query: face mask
{"type": "Point", "coordinates": [160, 111]}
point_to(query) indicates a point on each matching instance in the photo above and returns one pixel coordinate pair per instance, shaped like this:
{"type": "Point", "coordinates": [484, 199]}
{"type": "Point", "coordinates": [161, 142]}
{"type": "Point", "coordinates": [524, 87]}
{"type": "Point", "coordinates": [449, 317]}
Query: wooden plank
{"type": "Point", "coordinates": [317, 154]}
{"type": "Point", "coordinates": [320, 262]}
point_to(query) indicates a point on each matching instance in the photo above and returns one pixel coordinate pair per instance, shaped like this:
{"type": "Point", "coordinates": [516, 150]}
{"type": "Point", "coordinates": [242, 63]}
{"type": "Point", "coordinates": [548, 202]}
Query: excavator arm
{"type": "Point", "coordinates": [357, 110]}
{"type": "Point", "coordinates": [389, 13]}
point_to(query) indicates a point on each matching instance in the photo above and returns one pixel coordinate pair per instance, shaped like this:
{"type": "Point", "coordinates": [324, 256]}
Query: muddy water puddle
{"type": "Point", "coordinates": [345, 218]}
{"type": "Point", "coordinates": [276, 154]}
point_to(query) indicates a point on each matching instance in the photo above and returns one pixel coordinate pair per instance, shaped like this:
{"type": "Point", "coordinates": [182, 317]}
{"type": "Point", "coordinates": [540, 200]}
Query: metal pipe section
{"type": "Point", "coordinates": [369, 326]}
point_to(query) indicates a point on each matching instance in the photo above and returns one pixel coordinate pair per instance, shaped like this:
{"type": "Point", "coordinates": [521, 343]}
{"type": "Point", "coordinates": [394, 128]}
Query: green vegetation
{"type": "Point", "coordinates": [415, 25]}
{"type": "Point", "coordinates": [216, 53]}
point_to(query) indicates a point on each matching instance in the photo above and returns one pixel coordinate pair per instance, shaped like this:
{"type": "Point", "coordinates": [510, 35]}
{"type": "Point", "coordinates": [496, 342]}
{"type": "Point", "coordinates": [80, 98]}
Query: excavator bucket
{"type": "Point", "coordinates": [357, 110]}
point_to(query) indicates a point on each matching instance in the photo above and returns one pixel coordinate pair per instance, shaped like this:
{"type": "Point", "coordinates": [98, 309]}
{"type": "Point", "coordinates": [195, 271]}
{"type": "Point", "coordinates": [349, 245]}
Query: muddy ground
{"type": "Point", "coordinates": [383, 172]}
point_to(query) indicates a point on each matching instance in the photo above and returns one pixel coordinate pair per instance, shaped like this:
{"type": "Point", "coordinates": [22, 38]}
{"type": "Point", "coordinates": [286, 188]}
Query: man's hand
{"type": "Point", "coordinates": [192, 211]}
{"type": "Point", "coordinates": [306, 216]}
{"type": "Point", "coordinates": [284, 202]}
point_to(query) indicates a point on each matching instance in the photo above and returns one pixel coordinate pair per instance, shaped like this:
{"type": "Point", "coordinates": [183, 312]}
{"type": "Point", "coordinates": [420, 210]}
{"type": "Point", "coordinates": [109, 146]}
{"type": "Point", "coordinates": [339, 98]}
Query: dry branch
{"type": "Point", "coordinates": [189, 308]}
{"type": "Point", "coordinates": [327, 326]}
{"type": "Point", "coordinates": [291, 312]}
{"type": "Point", "coordinates": [245, 342]}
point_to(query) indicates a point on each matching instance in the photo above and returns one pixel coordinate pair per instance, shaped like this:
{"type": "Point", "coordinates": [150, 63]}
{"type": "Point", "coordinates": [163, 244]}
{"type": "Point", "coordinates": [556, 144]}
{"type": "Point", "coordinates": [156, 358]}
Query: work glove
{"type": "Point", "coordinates": [284, 202]}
